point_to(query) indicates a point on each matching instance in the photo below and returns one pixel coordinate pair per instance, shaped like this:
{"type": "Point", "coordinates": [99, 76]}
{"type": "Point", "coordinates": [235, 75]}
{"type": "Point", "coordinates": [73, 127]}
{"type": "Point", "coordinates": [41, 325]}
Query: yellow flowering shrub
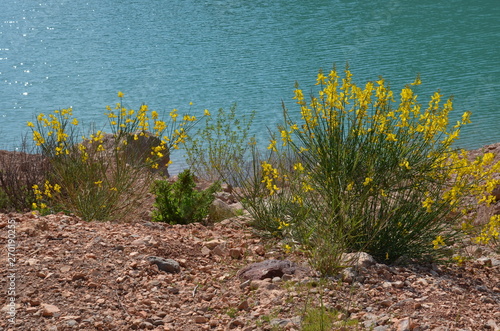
{"type": "Point", "coordinates": [377, 172]}
{"type": "Point", "coordinates": [98, 178]}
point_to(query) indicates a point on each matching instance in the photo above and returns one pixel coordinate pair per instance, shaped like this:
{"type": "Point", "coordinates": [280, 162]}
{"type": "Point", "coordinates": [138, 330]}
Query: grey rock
{"type": "Point", "coordinates": [381, 328]}
{"type": "Point", "coordinates": [167, 265]}
{"type": "Point", "coordinates": [158, 322]}
{"type": "Point", "coordinates": [348, 275]}
{"type": "Point", "coordinates": [146, 241]}
{"type": "Point", "coordinates": [146, 325]}
{"type": "Point", "coordinates": [271, 269]}
{"type": "Point", "coordinates": [173, 290]}
{"type": "Point", "coordinates": [283, 322]}
{"type": "Point", "coordinates": [220, 210]}
{"type": "Point", "coordinates": [246, 283]}
{"type": "Point", "coordinates": [71, 323]}
{"type": "Point", "coordinates": [359, 259]}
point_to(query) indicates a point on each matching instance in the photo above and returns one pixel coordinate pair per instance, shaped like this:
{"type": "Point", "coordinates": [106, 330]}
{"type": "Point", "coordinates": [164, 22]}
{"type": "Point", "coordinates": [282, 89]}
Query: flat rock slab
{"type": "Point", "coordinates": [271, 269]}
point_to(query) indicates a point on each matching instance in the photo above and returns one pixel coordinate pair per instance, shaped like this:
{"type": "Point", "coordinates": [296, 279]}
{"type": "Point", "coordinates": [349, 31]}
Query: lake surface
{"type": "Point", "coordinates": [61, 53]}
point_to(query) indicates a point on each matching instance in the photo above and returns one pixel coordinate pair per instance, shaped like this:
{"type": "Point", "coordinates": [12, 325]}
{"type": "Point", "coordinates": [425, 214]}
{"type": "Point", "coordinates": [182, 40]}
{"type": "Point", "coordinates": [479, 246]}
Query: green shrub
{"type": "Point", "coordinates": [219, 148]}
{"type": "Point", "coordinates": [180, 202]}
{"type": "Point", "coordinates": [354, 171]}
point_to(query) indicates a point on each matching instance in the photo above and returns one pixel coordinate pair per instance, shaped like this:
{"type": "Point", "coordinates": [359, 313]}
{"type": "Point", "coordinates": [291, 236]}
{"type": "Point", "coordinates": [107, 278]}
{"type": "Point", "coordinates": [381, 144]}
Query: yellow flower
{"type": "Point", "coordinates": [98, 183]}
{"type": "Point", "coordinates": [459, 259]}
{"type": "Point", "coordinates": [367, 181]}
{"type": "Point", "coordinates": [75, 121]}
{"type": "Point", "coordinates": [188, 118]}
{"type": "Point", "coordinates": [38, 138]}
{"type": "Point", "coordinates": [31, 125]}
{"type": "Point", "coordinates": [173, 114]}
{"type": "Point", "coordinates": [283, 225]}
{"type": "Point", "coordinates": [272, 146]}
{"type": "Point", "coordinates": [391, 137]}
{"type": "Point", "coordinates": [120, 94]}
{"type": "Point", "coordinates": [206, 112]}
{"type": "Point", "coordinates": [466, 117]}
{"type": "Point", "coordinates": [427, 203]}
{"type": "Point", "coordinates": [306, 187]}
{"type": "Point", "coordinates": [417, 81]}
{"type": "Point", "coordinates": [298, 167]}
{"type": "Point", "coordinates": [285, 137]}
{"type": "Point", "coordinates": [405, 164]}
{"type": "Point", "coordinates": [438, 242]}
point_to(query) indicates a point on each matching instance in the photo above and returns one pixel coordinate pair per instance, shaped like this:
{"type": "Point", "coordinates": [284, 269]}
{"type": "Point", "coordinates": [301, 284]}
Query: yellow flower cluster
{"type": "Point", "coordinates": [373, 112]}
{"type": "Point", "coordinates": [171, 133]}
{"type": "Point", "coordinates": [269, 174]}
{"type": "Point", "coordinates": [42, 194]}
{"type": "Point", "coordinates": [464, 171]}
{"type": "Point", "coordinates": [438, 242]}
{"type": "Point", "coordinates": [282, 224]}
{"type": "Point", "coordinates": [490, 232]}
{"type": "Point", "coordinates": [52, 129]}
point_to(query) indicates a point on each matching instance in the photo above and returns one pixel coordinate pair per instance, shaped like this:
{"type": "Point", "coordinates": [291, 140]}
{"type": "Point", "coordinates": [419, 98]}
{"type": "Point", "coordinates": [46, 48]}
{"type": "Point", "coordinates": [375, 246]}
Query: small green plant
{"type": "Point", "coordinates": [232, 312]}
{"type": "Point", "coordinates": [239, 212]}
{"type": "Point", "coordinates": [318, 319]}
{"type": "Point", "coordinates": [180, 202]}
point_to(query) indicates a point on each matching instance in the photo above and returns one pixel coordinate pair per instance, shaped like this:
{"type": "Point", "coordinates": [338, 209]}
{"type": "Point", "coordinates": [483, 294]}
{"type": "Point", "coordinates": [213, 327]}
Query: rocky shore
{"type": "Point", "coordinates": [66, 274]}
{"type": "Point", "coordinates": [74, 275]}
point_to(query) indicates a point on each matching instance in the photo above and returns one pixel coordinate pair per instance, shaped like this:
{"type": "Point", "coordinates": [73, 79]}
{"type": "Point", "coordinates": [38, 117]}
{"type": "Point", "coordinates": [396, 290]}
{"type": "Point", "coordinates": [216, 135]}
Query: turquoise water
{"type": "Point", "coordinates": [61, 53]}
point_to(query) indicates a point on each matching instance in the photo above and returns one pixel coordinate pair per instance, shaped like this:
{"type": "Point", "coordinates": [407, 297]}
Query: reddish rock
{"type": "Point", "coordinates": [49, 310]}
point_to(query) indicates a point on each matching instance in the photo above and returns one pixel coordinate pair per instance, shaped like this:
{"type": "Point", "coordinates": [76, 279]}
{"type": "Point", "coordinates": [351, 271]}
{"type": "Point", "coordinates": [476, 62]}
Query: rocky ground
{"type": "Point", "coordinates": [74, 275]}
{"type": "Point", "coordinates": [61, 273]}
